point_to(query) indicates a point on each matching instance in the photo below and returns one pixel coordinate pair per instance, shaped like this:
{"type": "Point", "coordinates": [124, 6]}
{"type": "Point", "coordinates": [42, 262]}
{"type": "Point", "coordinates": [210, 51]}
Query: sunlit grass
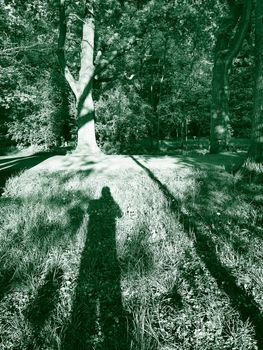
{"type": "Point", "coordinates": [171, 298]}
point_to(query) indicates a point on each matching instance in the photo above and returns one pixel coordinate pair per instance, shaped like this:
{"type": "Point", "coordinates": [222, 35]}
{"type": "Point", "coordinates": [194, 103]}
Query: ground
{"type": "Point", "coordinates": [130, 252]}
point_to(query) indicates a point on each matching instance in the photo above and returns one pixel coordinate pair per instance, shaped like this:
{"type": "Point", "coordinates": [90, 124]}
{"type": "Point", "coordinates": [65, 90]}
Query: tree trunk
{"type": "Point", "coordinates": [86, 140]}
{"type": "Point", "coordinates": [219, 133]}
{"type": "Point", "coordinates": [85, 106]}
{"type": "Point", "coordinates": [227, 47]}
{"type": "Point", "coordinates": [254, 162]}
{"type": "Point", "coordinates": [82, 88]}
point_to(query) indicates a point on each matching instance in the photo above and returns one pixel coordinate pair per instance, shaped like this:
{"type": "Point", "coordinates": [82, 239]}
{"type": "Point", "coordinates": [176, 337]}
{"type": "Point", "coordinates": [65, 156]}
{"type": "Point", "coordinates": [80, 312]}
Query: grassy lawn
{"type": "Point", "coordinates": [201, 144]}
{"type": "Point", "coordinates": [140, 253]}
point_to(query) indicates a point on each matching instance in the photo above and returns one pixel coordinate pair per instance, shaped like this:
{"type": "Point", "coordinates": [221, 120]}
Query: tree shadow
{"type": "Point", "coordinates": [98, 319]}
{"type": "Point", "coordinates": [84, 119]}
{"type": "Point", "coordinates": [7, 276]}
{"type": "Point", "coordinates": [206, 250]}
{"type": "Point", "coordinates": [12, 166]}
{"type": "Point", "coordinates": [43, 305]}
{"type": "Point", "coordinates": [45, 234]}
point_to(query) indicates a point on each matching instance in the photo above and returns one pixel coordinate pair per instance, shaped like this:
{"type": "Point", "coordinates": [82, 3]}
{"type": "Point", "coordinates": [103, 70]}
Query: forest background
{"type": "Point", "coordinates": [155, 79]}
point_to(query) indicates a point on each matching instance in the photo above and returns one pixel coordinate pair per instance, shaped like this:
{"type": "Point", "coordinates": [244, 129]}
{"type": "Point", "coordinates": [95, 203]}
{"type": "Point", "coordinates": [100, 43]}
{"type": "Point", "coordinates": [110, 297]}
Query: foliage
{"type": "Point", "coordinates": [121, 121]}
{"type": "Point", "coordinates": [158, 85]}
{"type": "Point", "coordinates": [33, 100]}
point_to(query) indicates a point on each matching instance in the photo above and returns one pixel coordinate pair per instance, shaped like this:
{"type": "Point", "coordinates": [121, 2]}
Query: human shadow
{"type": "Point", "coordinates": [98, 319]}
{"type": "Point", "coordinates": [240, 299]}
{"type": "Point", "coordinates": [12, 166]}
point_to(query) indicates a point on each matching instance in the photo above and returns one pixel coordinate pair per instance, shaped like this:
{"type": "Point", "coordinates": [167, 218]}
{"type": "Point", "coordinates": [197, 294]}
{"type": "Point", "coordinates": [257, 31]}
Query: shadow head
{"type": "Point", "coordinates": [105, 192]}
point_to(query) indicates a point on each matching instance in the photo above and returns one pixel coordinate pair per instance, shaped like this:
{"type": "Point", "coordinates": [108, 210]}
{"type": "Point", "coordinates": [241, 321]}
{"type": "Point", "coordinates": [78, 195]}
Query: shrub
{"type": "Point", "coordinates": [121, 122]}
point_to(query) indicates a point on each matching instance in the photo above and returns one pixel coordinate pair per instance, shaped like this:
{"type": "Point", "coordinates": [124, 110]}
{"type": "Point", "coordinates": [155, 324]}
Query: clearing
{"type": "Point", "coordinates": [130, 252]}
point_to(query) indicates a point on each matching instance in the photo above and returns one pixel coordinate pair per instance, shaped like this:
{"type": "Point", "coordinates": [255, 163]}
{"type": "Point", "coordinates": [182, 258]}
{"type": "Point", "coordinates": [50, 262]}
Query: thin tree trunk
{"type": "Point", "coordinates": [226, 50]}
{"type": "Point", "coordinates": [219, 133]}
{"type": "Point", "coordinates": [254, 162]}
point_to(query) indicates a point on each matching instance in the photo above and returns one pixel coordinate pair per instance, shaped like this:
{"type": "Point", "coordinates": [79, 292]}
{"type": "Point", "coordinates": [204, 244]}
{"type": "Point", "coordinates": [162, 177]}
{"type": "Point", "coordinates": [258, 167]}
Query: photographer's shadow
{"type": "Point", "coordinates": [98, 319]}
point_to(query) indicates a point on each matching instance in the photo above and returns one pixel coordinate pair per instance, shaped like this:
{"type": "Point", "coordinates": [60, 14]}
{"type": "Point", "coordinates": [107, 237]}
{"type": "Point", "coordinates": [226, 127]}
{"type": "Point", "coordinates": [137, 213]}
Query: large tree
{"type": "Point", "coordinates": [114, 43]}
{"type": "Point", "coordinates": [229, 41]}
{"type": "Point", "coordinates": [81, 88]}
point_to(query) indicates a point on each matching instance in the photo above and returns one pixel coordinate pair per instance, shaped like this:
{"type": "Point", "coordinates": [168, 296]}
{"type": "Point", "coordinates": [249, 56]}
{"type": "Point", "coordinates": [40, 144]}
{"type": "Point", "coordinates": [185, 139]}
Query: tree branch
{"type": "Point", "coordinates": [240, 33]}
{"type": "Point", "coordinates": [17, 49]}
{"type": "Point", "coordinates": [61, 48]}
{"type": "Point", "coordinates": [104, 62]}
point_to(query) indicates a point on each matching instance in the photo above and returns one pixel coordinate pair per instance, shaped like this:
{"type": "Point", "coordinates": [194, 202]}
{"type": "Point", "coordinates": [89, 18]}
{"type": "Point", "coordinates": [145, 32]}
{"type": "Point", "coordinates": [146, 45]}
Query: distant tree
{"type": "Point", "coordinates": [229, 41]}
{"type": "Point", "coordinates": [172, 64]}
{"type": "Point", "coordinates": [241, 82]}
{"type": "Point", "coordinates": [254, 162]}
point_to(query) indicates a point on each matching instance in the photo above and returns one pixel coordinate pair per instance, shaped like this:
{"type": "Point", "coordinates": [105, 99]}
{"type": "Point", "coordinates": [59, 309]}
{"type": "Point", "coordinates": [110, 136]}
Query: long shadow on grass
{"type": "Point", "coordinates": [206, 250]}
{"type": "Point", "coordinates": [44, 303]}
{"type": "Point", "coordinates": [98, 319]}
{"type": "Point", "coordinates": [6, 280]}
{"type": "Point", "coordinates": [45, 234]}
{"type": "Point", "coordinates": [11, 166]}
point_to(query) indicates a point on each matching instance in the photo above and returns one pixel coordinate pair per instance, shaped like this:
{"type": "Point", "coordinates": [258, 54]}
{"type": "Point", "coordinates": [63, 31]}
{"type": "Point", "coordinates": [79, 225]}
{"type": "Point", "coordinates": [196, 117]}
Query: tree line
{"type": "Point", "coordinates": [150, 69]}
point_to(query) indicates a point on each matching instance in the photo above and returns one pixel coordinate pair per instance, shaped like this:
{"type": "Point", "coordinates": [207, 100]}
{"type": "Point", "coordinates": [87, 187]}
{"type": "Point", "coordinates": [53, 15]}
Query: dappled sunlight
{"type": "Point", "coordinates": [127, 247]}
{"type": "Point", "coordinates": [255, 168]}
{"type": "Point", "coordinates": [80, 162]}
{"type": "Point", "coordinates": [131, 175]}
{"type": "Point", "coordinates": [220, 130]}
{"type": "Point", "coordinates": [200, 223]}
{"type": "Point", "coordinates": [167, 162]}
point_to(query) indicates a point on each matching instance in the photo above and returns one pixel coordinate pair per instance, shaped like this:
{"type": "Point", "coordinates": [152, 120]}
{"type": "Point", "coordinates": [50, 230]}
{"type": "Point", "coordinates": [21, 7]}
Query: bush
{"type": "Point", "coordinates": [121, 122]}
{"type": "Point", "coordinates": [36, 113]}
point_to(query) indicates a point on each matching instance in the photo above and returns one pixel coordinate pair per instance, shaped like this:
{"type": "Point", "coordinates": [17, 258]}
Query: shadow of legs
{"type": "Point", "coordinates": [98, 320]}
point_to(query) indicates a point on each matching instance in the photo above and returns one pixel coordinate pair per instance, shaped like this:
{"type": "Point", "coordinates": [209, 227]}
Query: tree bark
{"type": "Point", "coordinates": [85, 105]}
{"type": "Point", "coordinates": [82, 88]}
{"type": "Point", "coordinates": [227, 48]}
{"type": "Point", "coordinates": [254, 162]}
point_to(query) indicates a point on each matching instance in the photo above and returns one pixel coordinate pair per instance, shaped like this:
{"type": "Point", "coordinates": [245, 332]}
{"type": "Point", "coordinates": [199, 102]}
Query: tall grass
{"type": "Point", "coordinates": [171, 296]}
